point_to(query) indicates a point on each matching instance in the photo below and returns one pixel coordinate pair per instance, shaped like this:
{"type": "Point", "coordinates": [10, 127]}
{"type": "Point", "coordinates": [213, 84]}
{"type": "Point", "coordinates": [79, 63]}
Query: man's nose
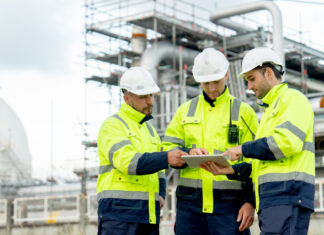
{"type": "Point", "coordinates": [149, 99]}
{"type": "Point", "coordinates": [250, 86]}
{"type": "Point", "coordinates": [211, 87]}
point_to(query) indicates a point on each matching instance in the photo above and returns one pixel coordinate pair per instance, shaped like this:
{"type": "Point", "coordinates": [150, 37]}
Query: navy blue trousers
{"type": "Point", "coordinates": [190, 223]}
{"type": "Point", "coordinates": [112, 227]}
{"type": "Point", "coordinates": [284, 220]}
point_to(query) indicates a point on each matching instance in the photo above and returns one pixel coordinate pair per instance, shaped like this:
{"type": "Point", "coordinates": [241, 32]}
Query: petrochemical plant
{"type": "Point", "coordinates": [163, 36]}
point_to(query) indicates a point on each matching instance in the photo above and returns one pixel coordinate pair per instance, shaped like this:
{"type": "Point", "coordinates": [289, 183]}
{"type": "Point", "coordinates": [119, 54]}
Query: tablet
{"type": "Point", "coordinates": [194, 161]}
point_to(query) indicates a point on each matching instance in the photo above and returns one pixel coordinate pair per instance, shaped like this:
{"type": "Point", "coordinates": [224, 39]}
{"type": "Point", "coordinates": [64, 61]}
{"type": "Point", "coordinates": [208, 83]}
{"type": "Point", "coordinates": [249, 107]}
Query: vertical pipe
{"type": "Point", "coordinates": [167, 104]}
{"type": "Point", "coordinates": [51, 148]}
{"type": "Point", "coordinates": [181, 78]}
{"type": "Point", "coordinates": [302, 70]}
{"type": "Point", "coordinates": [162, 110]}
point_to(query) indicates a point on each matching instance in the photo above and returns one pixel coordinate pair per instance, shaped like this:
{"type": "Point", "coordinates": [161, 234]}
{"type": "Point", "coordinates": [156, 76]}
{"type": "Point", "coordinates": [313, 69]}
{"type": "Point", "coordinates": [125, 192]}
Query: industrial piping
{"type": "Point", "coordinates": [160, 51]}
{"type": "Point", "coordinates": [277, 35]}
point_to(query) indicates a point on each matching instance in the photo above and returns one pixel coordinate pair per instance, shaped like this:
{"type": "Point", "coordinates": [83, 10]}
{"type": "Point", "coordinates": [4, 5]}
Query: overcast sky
{"type": "Point", "coordinates": [41, 52]}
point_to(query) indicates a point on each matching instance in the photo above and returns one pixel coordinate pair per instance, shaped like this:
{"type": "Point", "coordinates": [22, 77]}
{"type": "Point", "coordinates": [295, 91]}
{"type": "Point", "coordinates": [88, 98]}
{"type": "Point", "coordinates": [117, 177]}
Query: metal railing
{"type": "Point", "coordinates": [92, 206]}
{"type": "Point", "coordinates": [48, 209]}
{"type": "Point", "coordinates": [66, 209]}
{"type": "Point", "coordinates": [319, 195]}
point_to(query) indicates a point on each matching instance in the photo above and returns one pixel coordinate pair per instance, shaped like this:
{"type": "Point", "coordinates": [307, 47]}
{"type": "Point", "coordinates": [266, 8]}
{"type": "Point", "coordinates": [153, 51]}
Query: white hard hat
{"type": "Point", "coordinates": [138, 81]}
{"type": "Point", "coordinates": [210, 65]}
{"type": "Point", "coordinates": [258, 56]}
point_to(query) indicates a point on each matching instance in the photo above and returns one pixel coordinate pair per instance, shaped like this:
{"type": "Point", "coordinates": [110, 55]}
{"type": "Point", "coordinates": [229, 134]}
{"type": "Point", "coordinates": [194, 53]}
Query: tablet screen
{"type": "Point", "coordinates": [194, 161]}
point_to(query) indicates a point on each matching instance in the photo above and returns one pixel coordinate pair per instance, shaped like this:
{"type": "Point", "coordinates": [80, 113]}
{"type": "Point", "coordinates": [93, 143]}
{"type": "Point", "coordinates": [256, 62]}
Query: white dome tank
{"type": "Point", "coordinates": [15, 158]}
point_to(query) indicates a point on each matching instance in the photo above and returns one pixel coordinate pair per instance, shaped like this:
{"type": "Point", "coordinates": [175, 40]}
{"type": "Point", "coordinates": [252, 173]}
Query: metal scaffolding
{"type": "Point", "coordinates": [164, 36]}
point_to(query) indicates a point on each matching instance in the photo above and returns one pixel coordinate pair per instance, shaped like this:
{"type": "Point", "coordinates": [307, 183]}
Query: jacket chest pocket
{"type": "Point", "coordinates": [153, 145]}
{"type": "Point", "coordinates": [192, 130]}
{"type": "Point", "coordinates": [272, 113]}
{"type": "Point", "coordinates": [135, 140]}
{"type": "Point", "coordinates": [155, 140]}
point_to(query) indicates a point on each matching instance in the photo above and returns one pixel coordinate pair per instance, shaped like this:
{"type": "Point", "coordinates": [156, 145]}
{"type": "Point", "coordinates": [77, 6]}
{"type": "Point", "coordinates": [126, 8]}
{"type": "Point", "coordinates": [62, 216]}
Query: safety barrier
{"type": "Point", "coordinates": [319, 195]}
{"type": "Point", "coordinates": [48, 209]}
{"type": "Point", "coordinates": [92, 205]}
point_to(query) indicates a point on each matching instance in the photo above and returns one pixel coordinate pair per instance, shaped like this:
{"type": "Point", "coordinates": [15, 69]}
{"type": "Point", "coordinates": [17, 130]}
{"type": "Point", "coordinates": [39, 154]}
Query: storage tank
{"type": "Point", "coordinates": [15, 158]}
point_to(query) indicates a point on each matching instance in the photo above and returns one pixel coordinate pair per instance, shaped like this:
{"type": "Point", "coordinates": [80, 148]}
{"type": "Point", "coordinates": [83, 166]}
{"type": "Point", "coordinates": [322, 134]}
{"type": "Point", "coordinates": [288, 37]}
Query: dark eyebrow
{"type": "Point", "coordinates": [249, 77]}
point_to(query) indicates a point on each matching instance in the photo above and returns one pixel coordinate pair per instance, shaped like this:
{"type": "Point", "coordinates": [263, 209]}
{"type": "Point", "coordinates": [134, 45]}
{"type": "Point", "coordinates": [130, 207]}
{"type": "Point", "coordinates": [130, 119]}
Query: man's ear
{"type": "Point", "coordinates": [126, 98]}
{"type": "Point", "coordinates": [226, 76]}
{"type": "Point", "coordinates": [269, 74]}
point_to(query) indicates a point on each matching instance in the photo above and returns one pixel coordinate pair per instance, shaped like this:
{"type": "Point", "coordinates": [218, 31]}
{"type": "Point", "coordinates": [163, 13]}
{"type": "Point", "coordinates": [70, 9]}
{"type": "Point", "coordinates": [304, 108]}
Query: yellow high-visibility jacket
{"type": "Point", "coordinates": [131, 174]}
{"type": "Point", "coordinates": [198, 123]}
{"type": "Point", "coordinates": [283, 171]}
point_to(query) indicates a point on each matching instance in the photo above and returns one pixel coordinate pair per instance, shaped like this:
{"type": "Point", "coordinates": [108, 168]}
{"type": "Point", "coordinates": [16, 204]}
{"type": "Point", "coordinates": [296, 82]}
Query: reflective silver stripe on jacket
{"type": "Point", "coordinates": [120, 119]}
{"type": "Point", "coordinates": [105, 169]}
{"type": "Point", "coordinates": [236, 185]}
{"type": "Point", "coordinates": [193, 107]}
{"type": "Point", "coordinates": [116, 147]}
{"type": "Point", "coordinates": [173, 140]}
{"type": "Point", "coordinates": [133, 164]}
{"type": "Point", "coordinates": [277, 177]}
{"type": "Point", "coordinates": [197, 183]}
{"type": "Point", "coordinates": [234, 112]}
{"type": "Point", "coordinates": [309, 146]}
{"type": "Point", "coordinates": [130, 195]}
{"type": "Point", "coordinates": [273, 146]}
{"type": "Point", "coordinates": [276, 103]}
{"type": "Point", "coordinates": [161, 175]}
{"type": "Point", "coordinates": [293, 129]}
{"type": "Point", "coordinates": [150, 129]}
{"type": "Point", "coordinates": [235, 109]}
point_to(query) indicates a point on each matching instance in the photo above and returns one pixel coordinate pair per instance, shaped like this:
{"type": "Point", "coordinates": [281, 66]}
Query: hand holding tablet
{"type": "Point", "coordinates": [194, 161]}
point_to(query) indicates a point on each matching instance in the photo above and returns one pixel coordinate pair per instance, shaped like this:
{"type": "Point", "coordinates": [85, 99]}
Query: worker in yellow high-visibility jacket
{"type": "Point", "coordinates": [283, 169]}
{"type": "Point", "coordinates": [131, 183]}
{"type": "Point", "coordinates": [215, 121]}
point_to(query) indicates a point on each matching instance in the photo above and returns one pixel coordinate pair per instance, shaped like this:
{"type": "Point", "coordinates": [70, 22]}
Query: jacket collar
{"type": "Point", "coordinates": [133, 114]}
{"type": "Point", "coordinates": [218, 99]}
{"type": "Point", "coordinates": [272, 95]}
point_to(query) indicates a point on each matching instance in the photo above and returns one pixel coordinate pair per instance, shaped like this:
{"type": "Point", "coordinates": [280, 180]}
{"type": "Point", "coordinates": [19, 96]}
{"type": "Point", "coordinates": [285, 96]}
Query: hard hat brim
{"type": "Point", "coordinates": [147, 91]}
{"type": "Point", "coordinates": [210, 78]}
{"type": "Point", "coordinates": [241, 75]}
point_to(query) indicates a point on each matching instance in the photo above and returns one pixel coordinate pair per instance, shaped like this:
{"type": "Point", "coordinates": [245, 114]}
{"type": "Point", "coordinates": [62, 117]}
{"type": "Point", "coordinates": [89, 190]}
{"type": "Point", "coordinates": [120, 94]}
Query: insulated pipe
{"type": "Point", "coordinates": [277, 35]}
{"type": "Point", "coordinates": [138, 41]}
{"type": "Point", "coordinates": [153, 56]}
{"type": "Point", "coordinates": [239, 28]}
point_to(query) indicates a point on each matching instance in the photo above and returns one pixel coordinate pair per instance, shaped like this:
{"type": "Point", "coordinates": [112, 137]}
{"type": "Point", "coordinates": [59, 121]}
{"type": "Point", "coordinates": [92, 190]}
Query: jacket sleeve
{"type": "Point", "coordinates": [121, 154]}
{"type": "Point", "coordinates": [162, 183]}
{"type": "Point", "coordinates": [292, 119]}
{"type": "Point", "coordinates": [242, 172]}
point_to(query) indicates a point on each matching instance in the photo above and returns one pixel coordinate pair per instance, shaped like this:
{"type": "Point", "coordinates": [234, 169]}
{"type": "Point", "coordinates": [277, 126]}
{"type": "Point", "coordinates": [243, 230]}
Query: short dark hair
{"type": "Point", "coordinates": [277, 70]}
{"type": "Point", "coordinates": [123, 90]}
